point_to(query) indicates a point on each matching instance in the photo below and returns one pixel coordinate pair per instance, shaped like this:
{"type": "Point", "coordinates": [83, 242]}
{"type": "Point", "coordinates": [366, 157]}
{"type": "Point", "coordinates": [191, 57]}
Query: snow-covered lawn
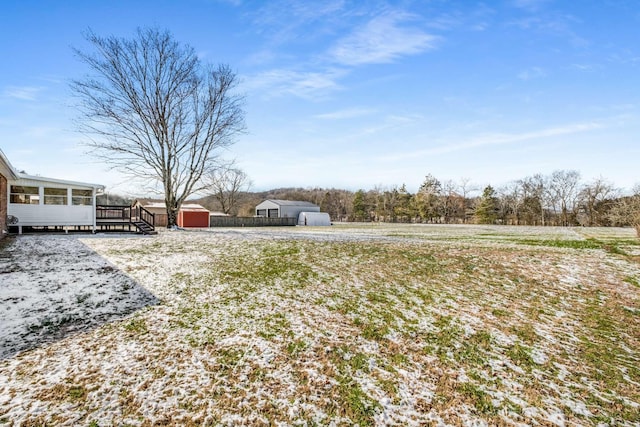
{"type": "Point", "coordinates": [355, 324]}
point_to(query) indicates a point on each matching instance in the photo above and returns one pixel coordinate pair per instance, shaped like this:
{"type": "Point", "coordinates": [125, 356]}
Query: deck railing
{"type": "Point", "coordinates": [145, 216]}
{"type": "Point", "coordinates": [113, 213]}
{"type": "Point", "coordinates": [112, 216]}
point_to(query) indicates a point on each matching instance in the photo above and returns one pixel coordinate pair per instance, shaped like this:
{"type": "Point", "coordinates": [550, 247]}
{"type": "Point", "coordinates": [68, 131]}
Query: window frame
{"type": "Point", "coordinates": [30, 198]}
{"type": "Point", "coordinates": [61, 196]}
{"type": "Point", "coordinates": [86, 197]}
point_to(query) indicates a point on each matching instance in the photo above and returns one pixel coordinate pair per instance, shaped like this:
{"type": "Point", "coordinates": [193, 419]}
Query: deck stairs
{"type": "Point", "coordinates": [144, 227]}
{"type": "Point", "coordinates": [125, 218]}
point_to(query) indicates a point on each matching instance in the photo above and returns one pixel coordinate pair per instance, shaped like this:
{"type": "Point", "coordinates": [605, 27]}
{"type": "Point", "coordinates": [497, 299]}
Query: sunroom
{"type": "Point", "coordinates": [39, 202]}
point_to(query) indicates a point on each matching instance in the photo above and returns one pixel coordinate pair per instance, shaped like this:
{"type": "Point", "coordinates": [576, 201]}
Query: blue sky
{"type": "Point", "coordinates": [357, 94]}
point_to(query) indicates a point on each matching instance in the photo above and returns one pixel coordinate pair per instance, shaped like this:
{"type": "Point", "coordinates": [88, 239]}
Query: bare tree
{"type": "Point", "coordinates": [226, 184]}
{"type": "Point", "coordinates": [533, 200]}
{"type": "Point", "coordinates": [626, 211]}
{"type": "Point", "coordinates": [465, 188]}
{"type": "Point", "coordinates": [510, 201]}
{"type": "Point", "coordinates": [595, 199]}
{"type": "Point", "coordinates": [563, 193]}
{"type": "Point", "coordinates": [154, 111]}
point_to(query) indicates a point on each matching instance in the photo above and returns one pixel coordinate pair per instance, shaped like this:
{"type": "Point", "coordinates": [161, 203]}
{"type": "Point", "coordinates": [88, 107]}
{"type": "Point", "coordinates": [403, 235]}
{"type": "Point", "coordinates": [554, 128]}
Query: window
{"type": "Point", "coordinates": [55, 196]}
{"type": "Point", "coordinates": [82, 197]}
{"type": "Point", "coordinates": [24, 195]}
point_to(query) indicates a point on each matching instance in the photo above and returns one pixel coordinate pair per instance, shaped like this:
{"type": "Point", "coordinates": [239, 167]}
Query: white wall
{"type": "Point", "coordinates": [40, 215]}
{"type": "Point", "coordinates": [50, 215]}
{"type": "Point", "coordinates": [294, 210]}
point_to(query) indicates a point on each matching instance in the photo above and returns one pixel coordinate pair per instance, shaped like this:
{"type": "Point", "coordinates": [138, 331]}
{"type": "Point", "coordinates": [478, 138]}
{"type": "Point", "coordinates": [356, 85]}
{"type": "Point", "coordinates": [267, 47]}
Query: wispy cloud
{"type": "Point", "coordinates": [281, 20]}
{"type": "Point", "coordinates": [585, 67]}
{"type": "Point", "coordinates": [553, 23]}
{"type": "Point", "coordinates": [532, 73]}
{"type": "Point", "coordinates": [383, 39]}
{"type": "Point", "coordinates": [504, 139]}
{"type": "Point", "coordinates": [304, 84]}
{"type": "Point", "coordinates": [529, 4]}
{"type": "Point", "coordinates": [348, 113]}
{"type": "Point", "coordinates": [25, 93]}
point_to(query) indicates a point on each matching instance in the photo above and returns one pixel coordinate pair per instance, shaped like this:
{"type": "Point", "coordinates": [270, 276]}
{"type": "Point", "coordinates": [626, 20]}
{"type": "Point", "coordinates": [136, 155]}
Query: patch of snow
{"type": "Point", "coordinates": [538, 356]}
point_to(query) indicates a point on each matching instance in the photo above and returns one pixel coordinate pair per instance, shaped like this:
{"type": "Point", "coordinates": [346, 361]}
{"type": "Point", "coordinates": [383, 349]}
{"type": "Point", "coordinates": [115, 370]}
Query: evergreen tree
{"type": "Point", "coordinates": [487, 208]}
{"type": "Point", "coordinates": [360, 207]}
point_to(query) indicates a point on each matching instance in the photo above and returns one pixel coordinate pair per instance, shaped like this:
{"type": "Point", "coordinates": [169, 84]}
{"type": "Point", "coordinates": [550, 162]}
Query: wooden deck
{"type": "Point", "coordinates": [125, 218]}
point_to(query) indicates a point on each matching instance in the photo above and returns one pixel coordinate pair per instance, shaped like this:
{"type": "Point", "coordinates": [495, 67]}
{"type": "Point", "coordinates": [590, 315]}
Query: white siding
{"type": "Point", "coordinates": [267, 204]}
{"type": "Point", "coordinates": [51, 215]}
{"type": "Point", "coordinates": [294, 211]}
{"type": "Point", "coordinates": [41, 215]}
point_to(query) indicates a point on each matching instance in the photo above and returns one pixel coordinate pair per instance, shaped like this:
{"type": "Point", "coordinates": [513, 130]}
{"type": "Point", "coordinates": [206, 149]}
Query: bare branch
{"type": "Point", "coordinates": [153, 110]}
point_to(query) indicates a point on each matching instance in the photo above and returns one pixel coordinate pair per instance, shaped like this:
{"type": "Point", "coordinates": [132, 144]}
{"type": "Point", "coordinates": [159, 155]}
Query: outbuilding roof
{"type": "Point", "coordinates": [291, 202]}
{"type": "Point", "coordinates": [183, 207]}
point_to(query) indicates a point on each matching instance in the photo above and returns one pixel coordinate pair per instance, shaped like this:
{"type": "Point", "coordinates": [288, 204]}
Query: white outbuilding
{"type": "Point", "coordinates": [314, 219]}
{"type": "Point", "coordinates": [284, 208]}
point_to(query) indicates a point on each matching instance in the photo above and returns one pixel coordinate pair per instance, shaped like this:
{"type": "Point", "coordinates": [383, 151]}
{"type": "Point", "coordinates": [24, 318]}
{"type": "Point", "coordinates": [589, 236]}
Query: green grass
{"type": "Point", "coordinates": [367, 314]}
{"type": "Point", "coordinates": [558, 243]}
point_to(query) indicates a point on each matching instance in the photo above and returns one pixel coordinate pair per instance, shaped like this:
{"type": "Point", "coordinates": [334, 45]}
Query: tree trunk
{"type": "Point", "coordinates": [172, 217]}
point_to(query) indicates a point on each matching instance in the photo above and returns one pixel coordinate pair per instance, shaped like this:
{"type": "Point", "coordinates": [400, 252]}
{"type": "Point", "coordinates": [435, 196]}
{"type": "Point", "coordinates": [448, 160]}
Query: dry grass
{"type": "Point", "coordinates": [366, 325]}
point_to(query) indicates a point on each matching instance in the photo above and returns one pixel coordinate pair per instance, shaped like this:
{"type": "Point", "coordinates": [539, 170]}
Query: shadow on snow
{"type": "Point", "coordinates": [54, 286]}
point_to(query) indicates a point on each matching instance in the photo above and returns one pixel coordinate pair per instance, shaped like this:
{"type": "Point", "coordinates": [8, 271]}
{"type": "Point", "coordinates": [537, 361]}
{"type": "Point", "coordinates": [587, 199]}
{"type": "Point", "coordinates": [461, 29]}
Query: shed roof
{"type": "Point", "coordinates": [183, 207]}
{"type": "Point", "coordinates": [193, 207]}
{"type": "Point", "coordinates": [291, 202]}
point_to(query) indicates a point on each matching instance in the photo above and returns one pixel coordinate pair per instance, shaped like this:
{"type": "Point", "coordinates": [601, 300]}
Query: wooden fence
{"type": "Point", "coordinates": [229, 221]}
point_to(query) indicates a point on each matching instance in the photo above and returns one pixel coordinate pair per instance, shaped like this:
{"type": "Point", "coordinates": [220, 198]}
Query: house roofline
{"type": "Point", "coordinates": [13, 174]}
{"type": "Point", "coordinates": [60, 181]}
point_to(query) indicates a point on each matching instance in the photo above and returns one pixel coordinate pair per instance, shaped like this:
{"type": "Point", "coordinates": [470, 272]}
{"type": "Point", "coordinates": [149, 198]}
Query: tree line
{"type": "Point", "coordinates": [558, 199]}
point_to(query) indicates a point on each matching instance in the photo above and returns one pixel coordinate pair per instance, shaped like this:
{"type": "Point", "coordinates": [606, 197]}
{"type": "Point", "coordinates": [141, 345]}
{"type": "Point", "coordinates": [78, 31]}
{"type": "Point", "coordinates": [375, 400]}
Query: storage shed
{"type": "Point", "coordinates": [284, 208]}
{"type": "Point", "coordinates": [158, 209]}
{"type": "Point", "coordinates": [193, 215]}
{"type": "Point", "coordinates": [314, 219]}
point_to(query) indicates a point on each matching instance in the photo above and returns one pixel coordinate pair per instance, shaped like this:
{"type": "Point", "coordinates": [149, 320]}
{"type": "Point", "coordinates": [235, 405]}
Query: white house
{"type": "Point", "coordinates": [47, 202]}
{"type": "Point", "coordinates": [284, 208]}
{"type": "Point", "coordinates": [6, 173]}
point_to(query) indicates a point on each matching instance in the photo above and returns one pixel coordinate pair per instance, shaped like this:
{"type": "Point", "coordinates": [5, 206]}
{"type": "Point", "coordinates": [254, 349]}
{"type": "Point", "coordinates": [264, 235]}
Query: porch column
{"type": "Point", "coordinates": [95, 207]}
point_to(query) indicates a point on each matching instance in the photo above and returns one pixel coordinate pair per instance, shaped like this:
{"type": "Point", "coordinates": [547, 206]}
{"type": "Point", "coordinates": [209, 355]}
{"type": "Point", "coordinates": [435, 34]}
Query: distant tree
{"type": "Point", "coordinates": [453, 204]}
{"type": "Point", "coordinates": [510, 203]}
{"type": "Point", "coordinates": [226, 184]}
{"type": "Point", "coordinates": [465, 188]}
{"type": "Point", "coordinates": [360, 208]}
{"type": "Point", "coordinates": [403, 210]}
{"type": "Point", "coordinates": [595, 200]}
{"type": "Point", "coordinates": [487, 208]}
{"type": "Point", "coordinates": [156, 111]}
{"type": "Point", "coordinates": [533, 205]}
{"type": "Point", "coordinates": [332, 204]}
{"type": "Point", "coordinates": [626, 211]}
{"type": "Point", "coordinates": [390, 199]}
{"type": "Point", "coordinates": [428, 202]}
{"type": "Point", "coordinates": [112, 199]}
{"type": "Point", "coordinates": [563, 192]}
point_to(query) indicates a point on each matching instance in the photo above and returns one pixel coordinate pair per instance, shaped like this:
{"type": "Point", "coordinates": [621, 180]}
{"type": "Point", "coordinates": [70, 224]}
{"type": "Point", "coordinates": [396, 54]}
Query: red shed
{"type": "Point", "coordinates": [192, 215]}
